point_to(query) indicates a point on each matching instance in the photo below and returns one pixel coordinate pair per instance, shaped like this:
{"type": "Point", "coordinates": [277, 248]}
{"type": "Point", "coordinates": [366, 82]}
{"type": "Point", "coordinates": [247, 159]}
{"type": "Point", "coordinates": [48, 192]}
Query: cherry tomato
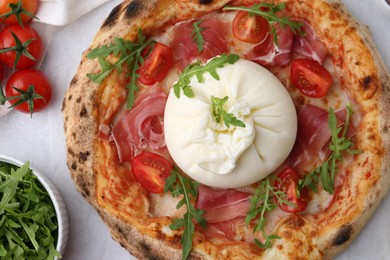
{"type": "Point", "coordinates": [310, 77]}
{"type": "Point", "coordinates": [10, 10]}
{"type": "Point", "coordinates": [287, 182]}
{"type": "Point", "coordinates": [29, 53]}
{"type": "Point", "coordinates": [151, 170]}
{"type": "Point", "coordinates": [156, 64]}
{"type": "Point", "coordinates": [251, 29]}
{"type": "Point", "coordinates": [1, 73]}
{"type": "Point", "coordinates": [23, 81]}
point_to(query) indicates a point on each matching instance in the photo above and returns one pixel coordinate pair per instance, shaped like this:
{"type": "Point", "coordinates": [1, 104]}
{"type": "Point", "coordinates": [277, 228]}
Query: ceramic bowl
{"type": "Point", "coordinates": [58, 202]}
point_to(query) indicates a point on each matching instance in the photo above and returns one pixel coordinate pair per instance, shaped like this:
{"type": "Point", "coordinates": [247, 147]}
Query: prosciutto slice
{"type": "Point", "coordinates": [308, 45]}
{"type": "Point", "coordinates": [142, 126]}
{"type": "Point", "coordinates": [224, 209]}
{"type": "Point", "coordinates": [313, 136]}
{"type": "Point", "coordinates": [268, 53]}
{"type": "Point", "coordinates": [186, 49]}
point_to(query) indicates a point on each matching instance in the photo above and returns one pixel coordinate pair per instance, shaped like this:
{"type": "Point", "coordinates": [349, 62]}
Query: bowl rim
{"type": "Point", "coordinates": [57, 200]}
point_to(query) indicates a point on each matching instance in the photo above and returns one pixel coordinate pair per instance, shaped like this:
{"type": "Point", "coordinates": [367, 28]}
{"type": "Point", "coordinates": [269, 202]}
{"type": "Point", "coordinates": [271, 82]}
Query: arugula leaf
{"type": "Point", "coordinates": [179, 185]}
{"type": "Point", "coordinates": [197, 36]}
{"type": "Point", "coordinates": [220, 113]}
{"type": "Point", "coordinates": [196, 69]}
{"type": "Point", "coordinates": [263, 202]}
{"type": "Point", "coordinates": [28, 222]}
{"type": "Point", "coordinates": [327, 171]}
{"type": "Point", "coordinates": [268, 11]}
{"type": "Point", "coordinates": [127, 54]}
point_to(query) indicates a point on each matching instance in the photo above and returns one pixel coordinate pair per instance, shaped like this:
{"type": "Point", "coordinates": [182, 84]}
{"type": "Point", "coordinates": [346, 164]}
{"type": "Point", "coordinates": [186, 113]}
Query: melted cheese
{"type": "Point", "coordinates": [222, 157]}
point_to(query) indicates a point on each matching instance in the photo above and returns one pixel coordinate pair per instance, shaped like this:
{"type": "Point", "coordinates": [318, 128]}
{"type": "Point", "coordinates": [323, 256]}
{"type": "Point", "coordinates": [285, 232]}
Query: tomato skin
{"type": "Point", "coordinates": [287, 181]}
{"type": "Point", "coordinates": [151, 171]}
{"type": "Point", "coordinates": [35, 48]}
{"type": "Point", "coordinates": [250, 29]}
{"type": "Point", "coordinates": [22, 79]}
{"type": "Point", "coordinates": [156, 64]}
{"type": "Point", "coordinates": [1, 72]}
{"type": "Point", "coordinates": [30, 6]}
{"type": "Point", "coordinates": [310, 77]}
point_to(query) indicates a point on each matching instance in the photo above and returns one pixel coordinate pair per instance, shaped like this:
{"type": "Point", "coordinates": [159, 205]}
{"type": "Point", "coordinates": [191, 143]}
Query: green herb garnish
{"type": "Point", "coordinates": [179, 185]}
{"type": "Point", "coordinates": [263, 202]}
{"type": "Point", "coordinates": [28, 222]}
{"type": "Point", "coordinates": [128, 54]}
{"type": "Point", "coordinates": [196, 69]}
{"type": "Point", "coordinates": [220, 113]}
{"type": "Point", "coordinates": [197, 36]}
{"type": "Point", "coordinates": [326, 172]}
{"type": "Point", "coordinates": [268, 11]}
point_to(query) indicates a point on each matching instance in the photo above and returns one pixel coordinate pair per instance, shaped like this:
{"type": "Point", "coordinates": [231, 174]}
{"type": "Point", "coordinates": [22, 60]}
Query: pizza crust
{"type": "Point", "coordinates": [87, 105]}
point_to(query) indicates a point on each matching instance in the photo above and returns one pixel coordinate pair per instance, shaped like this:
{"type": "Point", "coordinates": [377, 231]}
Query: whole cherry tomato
{"type": "Point", "coordinates": [28, 91]}
{"type": "Point", "coordinates": [156, 64]}
{"type": "Point", "coordinates": [1, 73]}
{"type": "Point", "coordinates": [151, 171]}
{"type": "Point", "coordinates": [17, 11]}
{"type": "Point", "coordinates": [20, 47]}
{"type": "Point", "coordinates": [287, 182]}
{"type": "Point", "coordinates": [251, 29]}
{"type": "Point", "coordinates": [310, 77]}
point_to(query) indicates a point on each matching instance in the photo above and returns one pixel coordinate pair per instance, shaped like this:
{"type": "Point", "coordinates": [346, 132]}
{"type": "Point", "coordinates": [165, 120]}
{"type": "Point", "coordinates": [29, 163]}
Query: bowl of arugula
{"type": "Point", "coordinates": [33, 216]}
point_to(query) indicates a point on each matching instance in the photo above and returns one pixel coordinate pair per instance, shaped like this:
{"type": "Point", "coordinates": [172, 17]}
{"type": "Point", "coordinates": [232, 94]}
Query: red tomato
{"type": "Point", "coordinates": [24, 8]}
{"type": "Point", "coordinates": [310, 77]}
{"type": "Point", "coordinates": [22, 49]}
{"type": "Point", "coordinates": [156, 64]}
{"type": "Point", "coordinates": [251, 29]}
{"type": "Point", "coordinates": [1, 73]}
{"type": "Point", "coordinates": [23, 81]}
{"type": "Point", "coordinates": [287, 182]}
{"type": "Point", "coordinates": [151, 170]}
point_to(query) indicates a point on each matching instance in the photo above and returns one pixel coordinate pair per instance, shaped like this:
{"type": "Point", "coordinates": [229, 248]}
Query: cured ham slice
{"type": "Point", "coordinates": [313, 136]}
{"type": "Point", "coordinates": [224, 209]}
{"type": "Point", "coordinates": [221, 205]}
{"type": "Point", "coordinates": [268, 53]}
{"type": "Point", "coordinates": [186, 50]}
{"type": "Point", "coordinates": [142, 126]}
{"type": "Point", "coordinates": [308, 45]}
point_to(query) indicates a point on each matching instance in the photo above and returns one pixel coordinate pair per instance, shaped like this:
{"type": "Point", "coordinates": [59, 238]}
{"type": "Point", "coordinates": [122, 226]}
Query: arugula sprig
{"type": "Point", "coordinates": [327, 171]}
{"type": "Point", "coordinates": [197, 36]}
{"type": "Point", "coordinates": [179, 185]}
{"type": "Point", "coordinates": [129, 54]}
{"type": "Point", "coordinates": [28, 221]}
{"type": "Point", "coordinates": [198, 70]}
{"type": "Point", "coordinates": [220, 113]}
{"type": "Point", "coordinates": [268, 11]}
{"type": "Point", "coordinates": [263, 202]}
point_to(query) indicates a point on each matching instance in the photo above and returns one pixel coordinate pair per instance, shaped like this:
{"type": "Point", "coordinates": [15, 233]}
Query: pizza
{"type": "Point", "coordinates": [230, 129]}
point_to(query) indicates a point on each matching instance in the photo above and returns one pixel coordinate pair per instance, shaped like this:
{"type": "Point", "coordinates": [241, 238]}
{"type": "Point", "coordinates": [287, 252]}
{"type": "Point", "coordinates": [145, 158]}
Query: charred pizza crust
{"type": "Point", "coordinates": [362, 73]}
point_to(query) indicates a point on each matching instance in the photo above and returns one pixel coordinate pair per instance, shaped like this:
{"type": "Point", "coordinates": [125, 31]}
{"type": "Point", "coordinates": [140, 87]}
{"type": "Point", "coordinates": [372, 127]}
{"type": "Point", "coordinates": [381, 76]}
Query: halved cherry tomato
{"type": "Point", "coordinates": [151, 170]}
{"type": "Point", "coordinates": [287, 182]}
{"type": "Point", "coordinates": [156, 65]}
{"type": "Point", "coordinates": [11, 9]}
{"type": "Point", "coordinates": [251, 29]}
{"type": "Point", "coordinates": [310, 77]}
{"type": "Point", "coordinates": [23, 87]}
{"type": "Point", "coordinates": [23, 54]}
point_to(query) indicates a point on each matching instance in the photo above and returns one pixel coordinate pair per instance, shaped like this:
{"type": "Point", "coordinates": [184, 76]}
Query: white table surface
{"type": "Point", "coordinates": [41, 140]}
